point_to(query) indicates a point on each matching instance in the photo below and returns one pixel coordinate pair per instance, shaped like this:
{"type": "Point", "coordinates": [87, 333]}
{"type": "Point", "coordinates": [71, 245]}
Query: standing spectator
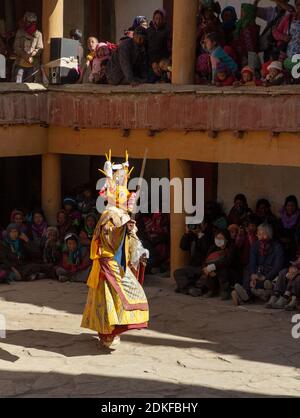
{"type": "Point", "coordinates": [246, 34]}
{"type": "Point", "coordinates": [39, 228]}
{"type": "Point", "coordinates": [87, 232]}
{"type": "Point", "coordinates": [229, 20]}
{"type": "Point", "coordinates": [64, 225]}
{"type": "Point", "coordinates": [28, 47]}
{"type": "Point", "coordinates": [128, 62]}
{"type": "Point", "coordinates": [158, 41]}
{"type": "Point", "coordinates": [52, 253]}
{"type": "Point", "coordinates": [70, 206]}
{"type": "Point", "coordinates": [86, 203]}
{"type": "Point", "coordinates": [92, 43]}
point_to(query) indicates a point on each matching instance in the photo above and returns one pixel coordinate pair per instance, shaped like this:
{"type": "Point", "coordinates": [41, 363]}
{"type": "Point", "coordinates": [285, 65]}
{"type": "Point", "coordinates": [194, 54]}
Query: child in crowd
{"type": "Point", "coordinates": [275, 76]}
{"type": "Point", "coordinates": [70, 206]}
{"type": "Point", "coordinates": [75, 265]}
{"type": "Point", "coordinates": [218, 55]}
{"type": "Point", "coordinates": [224, 76]}
{"type": "Point", "coordinates": [52, 251]}
{"type": "Point", "coordinates": [102, 54]}
{"type": "Point", "coordinates": [166, 70]}
{"type": "Point", "coordinates": [39, 228]}
{"type": "Point", "coordinates": [64, 225]}
{"type": "Point", "coordinates": [86, 234]}
{"type": "Point", "coordinates": [86, 202]}
{"type": "Point", "coordinates": [248, 78]}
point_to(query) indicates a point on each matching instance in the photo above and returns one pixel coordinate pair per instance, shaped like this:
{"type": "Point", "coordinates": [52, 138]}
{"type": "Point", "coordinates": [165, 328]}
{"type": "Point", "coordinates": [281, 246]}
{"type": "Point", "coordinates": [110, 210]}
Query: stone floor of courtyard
{"type": "Point", "coordinates": [194, 348]}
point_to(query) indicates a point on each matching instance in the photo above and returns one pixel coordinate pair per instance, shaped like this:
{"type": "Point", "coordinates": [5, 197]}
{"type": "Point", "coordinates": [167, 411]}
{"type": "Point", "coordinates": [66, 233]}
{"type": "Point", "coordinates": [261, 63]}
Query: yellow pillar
{"type": "Point", "coordinates": [184, 41]}
{"type": "Point", "coordinates": [53, 24]}
{"type": "Point", "coordinates": [51, 186]}
{"type": "Point", "coordinates": [178, 169]}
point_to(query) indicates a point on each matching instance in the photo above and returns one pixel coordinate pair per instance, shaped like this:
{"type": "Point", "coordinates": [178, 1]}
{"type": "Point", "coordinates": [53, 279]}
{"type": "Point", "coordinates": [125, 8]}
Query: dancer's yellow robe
{"type": "Point", "coordinates": [116, 301]}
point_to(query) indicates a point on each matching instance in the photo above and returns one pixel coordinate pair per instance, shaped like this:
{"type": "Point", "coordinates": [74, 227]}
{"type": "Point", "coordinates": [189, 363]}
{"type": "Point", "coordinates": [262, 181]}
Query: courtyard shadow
{"type": "Point", "coordinates": [59, 385]}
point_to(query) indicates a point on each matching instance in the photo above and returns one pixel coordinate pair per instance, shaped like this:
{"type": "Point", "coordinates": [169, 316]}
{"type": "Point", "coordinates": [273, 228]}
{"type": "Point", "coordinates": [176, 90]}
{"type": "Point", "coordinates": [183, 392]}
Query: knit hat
{"type": "Point", "coordinates": [247, 69]}
{"type": "Point", "coordinates": [12, 227]}
{"type": "Point", "coordinates": [277, 65]}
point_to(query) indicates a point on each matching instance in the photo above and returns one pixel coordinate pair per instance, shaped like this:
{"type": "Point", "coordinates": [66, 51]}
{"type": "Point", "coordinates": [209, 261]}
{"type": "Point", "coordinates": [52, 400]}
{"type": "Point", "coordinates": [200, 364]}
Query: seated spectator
{"type": "Point", "coordinates": [223, 77]}
{"type": "Point", "coordinates": [39, 228]}
{"type": "Point", "coordinates": [233, 230]}
{"type": "Point", "coordinates": [286, 290]}
{"type": "Point", "coordinates": [240, 211]}
{"type": "Point", "coordinates": [102, 55]}
{"type": "Point", "coordinates": [197, 241]}
{"type": "Point", "coordinates": [246, 34]}
{"type": "Point", "coordinates": [229, 20]}
{"type": "Point", "coordinates": [16, 255]}
{"type": "Point", "coordinates": [17, 217]}
{"type": "Point", "coordinates": [76, 264]}
{"type": "Point", "coordinates": [85, 202]}
{"type": "Point", "coordinates": [64, 225]}
{"type": "Point", "coordinates": [52, 253]}
{"type": "Point", "coordinates": [128, 62]}
{"type": "Point", "coordinates": [264, 214]}
{"type": "Point", "coordinates": [248, 78]}
{"type": "Point", "coordinates": [246, 237]}
{"type": "Point", "coordinates": [219, 272]}
{"type": "Point", "coordinates": [288, 222]}
{"type": "Point", "coordinates": [218, 55]}
{"type": "Point", "coordinates": [266, 261]}
{"type": "Point", "coordinates": [165, 68]}
{"type": "Point", "coordinates": [214, 217]}
{"type": "Point", "coordinates": [28, 47]}
{"type": "Point", "coordinates": [92, 43]}
{"type": "Point", "coordinates": [158, 40]}
{"type": "Point", "coordinates": [275, 76]}
{"type": "Point", "coordinates": [87, 233]}
{"type": "Point", "coordinates": [70, 206]}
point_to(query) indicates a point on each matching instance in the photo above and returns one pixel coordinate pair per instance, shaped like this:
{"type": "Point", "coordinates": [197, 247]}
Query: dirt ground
{"type": "Point", "coordinates": [193, 348]}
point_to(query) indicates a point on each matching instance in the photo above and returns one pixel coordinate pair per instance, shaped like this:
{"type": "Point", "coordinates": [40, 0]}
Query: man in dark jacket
{"type": "Point", "coordinates": [128, 62]}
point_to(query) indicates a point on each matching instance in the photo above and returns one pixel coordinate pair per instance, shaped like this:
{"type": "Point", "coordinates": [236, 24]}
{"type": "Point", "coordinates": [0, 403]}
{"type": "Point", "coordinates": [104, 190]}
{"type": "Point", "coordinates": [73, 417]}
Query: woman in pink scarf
{"type": "Point", "coordinates": [102, 54]}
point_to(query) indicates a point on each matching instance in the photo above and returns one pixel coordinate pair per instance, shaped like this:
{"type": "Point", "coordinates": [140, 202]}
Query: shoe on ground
{"type": "Point", "coordinates": [112, 345]}
{"type": "Point", "coordinates": [63, 279]}
{"type": "Point", "coordinates": [242, 293]}
{"type": "Point", "coordinates": [272, 301]}
{"type": "Point", "coordinates": [281, 303]}
{"type": "Point", "coordinates": [194, 292]}
{"type": "Point", "coordinates": [292, 305]}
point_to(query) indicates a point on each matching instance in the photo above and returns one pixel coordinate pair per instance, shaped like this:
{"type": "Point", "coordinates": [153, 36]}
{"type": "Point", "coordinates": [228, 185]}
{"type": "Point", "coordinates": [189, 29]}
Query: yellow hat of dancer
{"type": "Point", "coordinates": [117, 176]}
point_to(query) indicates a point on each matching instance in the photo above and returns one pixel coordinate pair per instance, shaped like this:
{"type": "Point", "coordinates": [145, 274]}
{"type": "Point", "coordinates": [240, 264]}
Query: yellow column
{"type": "Point", "coordinates": [184, 41]}
{"type": "Point", "coordinates": [53, 24]}
{"type": "Point", "coordinates": [178, 169]}
{"type": "Point", "coordinates": [51, 186]}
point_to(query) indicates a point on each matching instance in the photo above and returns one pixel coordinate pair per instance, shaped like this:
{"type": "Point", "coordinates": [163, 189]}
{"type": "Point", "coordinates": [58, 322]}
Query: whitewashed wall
{"type": "Point", "coordinates": [273, 183]}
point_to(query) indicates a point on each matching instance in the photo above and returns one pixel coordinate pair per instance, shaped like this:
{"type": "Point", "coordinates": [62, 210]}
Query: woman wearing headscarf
{"type": "Point", "coordinates": [75, 265]}
{"type": "Point", "coordinates": [246, 34]}
{"type": "Point", "coordinates": [39, 228]}
{"type": "Point", "coordinates": [138, 21]}
{"type": "Point", "coordinates": [17, 254]}
{"type": "Point", "coordinates": [229, 20]}
{"type": "Point", "coordinates": [64, 225]}
{"type": "Point", "coordinates": [87, 232]}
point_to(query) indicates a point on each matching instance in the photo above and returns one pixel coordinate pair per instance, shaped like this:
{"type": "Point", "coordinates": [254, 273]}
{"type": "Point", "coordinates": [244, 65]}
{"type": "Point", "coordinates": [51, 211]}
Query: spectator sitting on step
{"type": "Point", "coordinates": [196, 240]}
{"type": "Point", "coordinates": [266, 261]}
{"type": "Point", "coordinates": [70, 206]}
{"type": "Point", "coordinates": [128, 62]}
{"type": "Point", "coordinates": [75, 265]}
{"type": "Point", "coordinates": [64, 225]}
{"type": "Point", "coordinates": [102, 55]}
{"type": "Point", "coordinates": [17, 254]}
{"type": "Point", "coordinates": [92, 43]}
{"type": "Point", "coordinates": [248, 78]}
{"type": "Point", "coordinates": [240, 211]}
{"type": "Point", "coordinates": [39, 228]}
{"type": "Point", "coordinates": [85, 201]}
{"type": "Point", "coordinates": [52, 252]}
{"type": "Point", "coordinates": [139, 21]}
{"type": "Point", "coordinates": [275, 76]}
{"type": "Point", "coordinates": [165, 68]}
{"type": "Point", "coordinates": [223, 77]}
{"type": "Point", "coordinates": [87, 232]}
